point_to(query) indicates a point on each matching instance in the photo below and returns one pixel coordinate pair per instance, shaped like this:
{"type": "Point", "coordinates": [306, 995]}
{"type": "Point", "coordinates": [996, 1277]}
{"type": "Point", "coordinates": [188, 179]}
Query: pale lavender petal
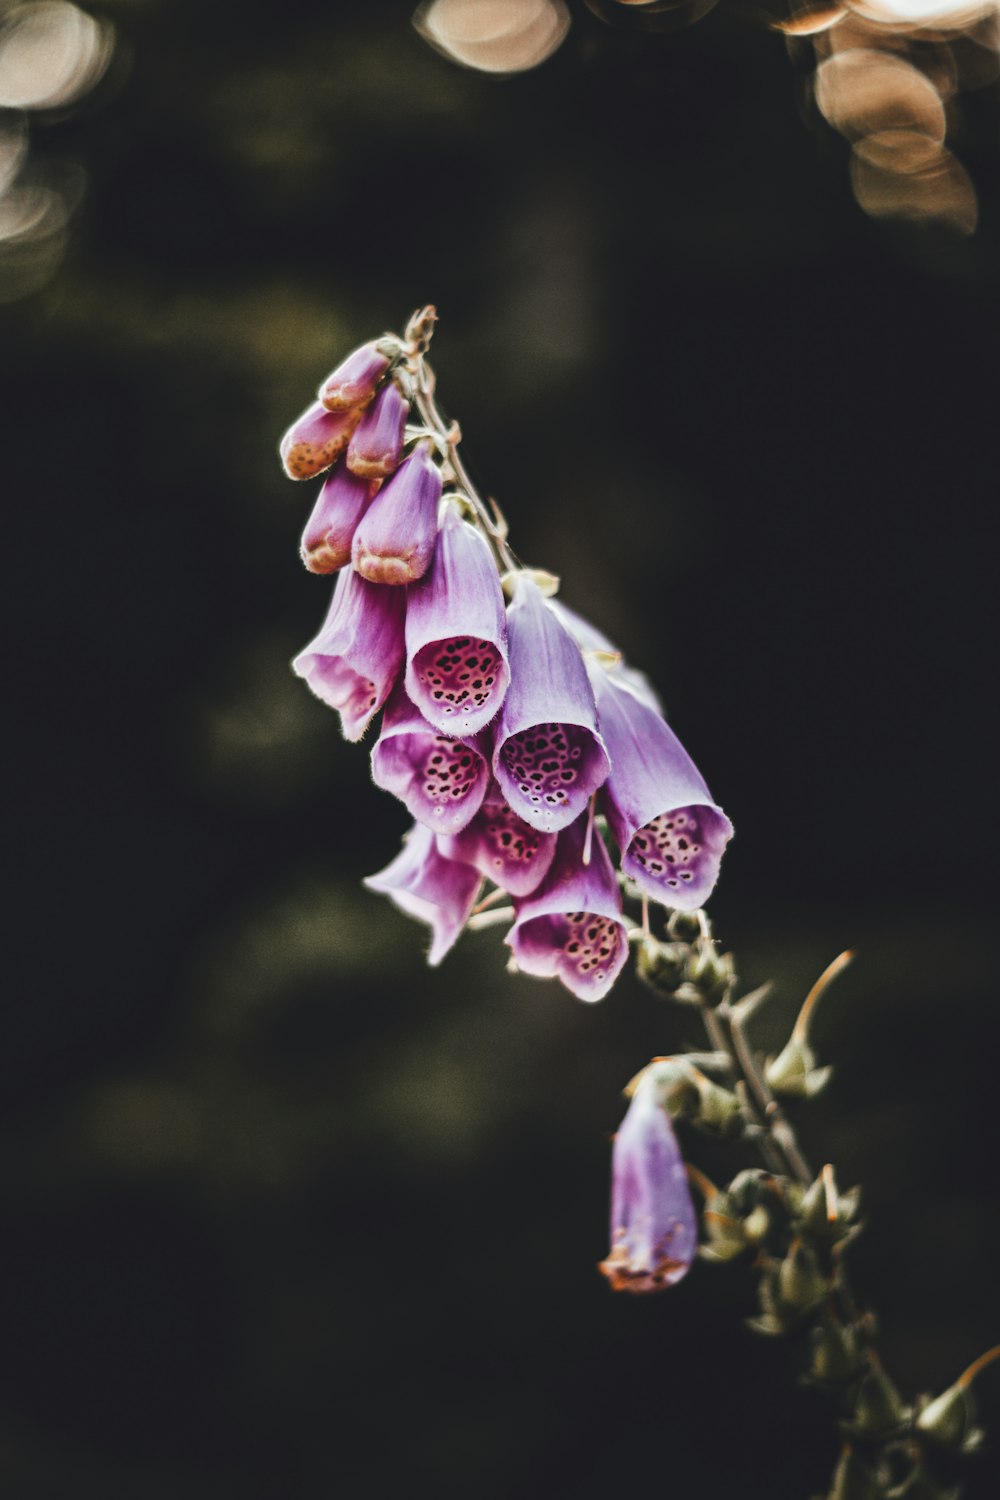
{"type": "Point", "coordinates": [442, 781]}
{"type": "Point", "coordinates": [394, 543]}
{"type": "Point", "coordinates": [425, 885]}
{"type": "Point", "coordinates": [355, 380]}
{"type": "Point", "coordinates": [548, 755]}
{"type": "Point", "coordinates": [670, 832]}
{"type": "Point", "coordinates": [377, 444]}
{"type": "Point", "coordinates": [503, 847]}
{"type": "Point", "coordinates": [316, 440]}
{"type": "Point", "coordinates": [571, 927]}
{"type": "Point", "coordinates": [589, 638]}
{"type": "Point", "coordinates": [456, 633]}
{"type": "Point", "coordinates": [654, 1230]}
{"type": "Point", "coordinates": [354, 661]}
{"type": "Point", "coordinates": [342, 501]}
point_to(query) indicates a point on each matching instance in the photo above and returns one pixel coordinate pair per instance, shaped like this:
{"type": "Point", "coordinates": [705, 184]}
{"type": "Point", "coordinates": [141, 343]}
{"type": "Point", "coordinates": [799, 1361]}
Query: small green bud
{"type": "Point", "coordinates": [757, 1225]}
{"type": "Point", "coordinates": [685, 926]}
{"type": "Point", "coordinates": [879, 1407]}
{"type": "Point", "coordinates": [719, 1110]}
{"type": "Point", "coordinates": [854, 1480]}
{"type": "Point", "coordinates": [726, 1238]}
{"type": "Point", "coordinates": [823, 1212]}
{"type": "Point", "coordinates": [833, 1354]}
{"type": "Point", "coordinates": [661, 964]}
{"type": "Point", "coordinates": [793, 1074]}
{"type": "Point", "coordinates": [801, 1283]}
{"type": "Point", "coordinates": [747, 1189]}
{"type": "Point", "coordinates": [709, 972]}
{"type": "Point", "coordinates": [949, 1418]}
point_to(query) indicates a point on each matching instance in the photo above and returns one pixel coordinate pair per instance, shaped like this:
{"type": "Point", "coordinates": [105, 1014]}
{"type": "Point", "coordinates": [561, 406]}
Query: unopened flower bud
{"type": "Point", "coordinates": [949, 1418]}
{"type": "Point", "coordinates": [661, 964]}
{"type": "Point", "coordinates": [833, 1356]}
{"type": "Point", "coordinates": [878, 1408]}
{"type": "Point", "coordinates": [343, 500]}
{"type": "Point", "coordinates": [709, 971]}
{"type": "Point", "coordinates": [793, 1073]}
{"type": "Point", "coordinates": [377, 444]}
{"type": "Point", "coordinates": [854, 1480]}
{"type": "Point", "coordinates": [394, 542]}
{"type": "Point", "coordinates": [355, 380]}
{"type": "Point", "coordinates": [684, 926]}
{"type": "Point", "coordinates": [823, 1212]}
{"type": "Point", "coordinates": [719, 1110]}
{"type": "Point", "coordinates": [316, 440]}
{"type": "Point", "coordinates": [801, 1283]}
{"type": "Point", "coordinates": [726, 1238]}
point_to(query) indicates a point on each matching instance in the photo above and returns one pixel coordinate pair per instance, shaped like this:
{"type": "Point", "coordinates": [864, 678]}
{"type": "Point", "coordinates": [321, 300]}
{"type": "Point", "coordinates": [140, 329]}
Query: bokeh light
{"type": "Point", "coordinates": [495, 36]}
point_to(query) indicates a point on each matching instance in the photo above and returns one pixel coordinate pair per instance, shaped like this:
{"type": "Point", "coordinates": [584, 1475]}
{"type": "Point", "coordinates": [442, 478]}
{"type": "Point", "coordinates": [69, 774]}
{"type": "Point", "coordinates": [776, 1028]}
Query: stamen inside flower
{"type": "Point", "coordinates": [544, 762]}
{"type": "Point", "coordinates": [459, 675]}
{"type": "Point", "coordinates": [671, 848]}
{"type": "Point", "coordinates": [450, 770]}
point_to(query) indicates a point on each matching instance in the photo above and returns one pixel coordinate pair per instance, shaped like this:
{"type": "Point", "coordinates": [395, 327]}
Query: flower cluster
{"type": "Point", "coordinates": [508, 719]}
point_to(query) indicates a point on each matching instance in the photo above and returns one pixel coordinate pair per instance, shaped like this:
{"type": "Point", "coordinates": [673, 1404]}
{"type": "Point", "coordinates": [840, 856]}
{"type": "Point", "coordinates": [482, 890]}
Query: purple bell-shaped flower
{"type": "Point", "coordinates": [442, 781]}
{"type": "Point", "coordinates": [456, 633]}
{"type": "Point", "coordinates": [654, 1231]}
{"type": "Point", "coordinates": [571, 927]}
{"type": "Point", "coordinates": [354, 661]}
{"type": "Point", "coordinates": [426, 885]}
{"type": "Point", "coordinates": [548, 755]}
{"type": "Point", "coordinates": [503, 847]}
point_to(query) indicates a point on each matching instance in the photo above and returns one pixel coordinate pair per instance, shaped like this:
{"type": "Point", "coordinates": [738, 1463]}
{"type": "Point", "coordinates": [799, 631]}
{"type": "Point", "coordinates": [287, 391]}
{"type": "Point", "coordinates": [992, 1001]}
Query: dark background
{"type": "Point", "coordinates": [282, 1210]}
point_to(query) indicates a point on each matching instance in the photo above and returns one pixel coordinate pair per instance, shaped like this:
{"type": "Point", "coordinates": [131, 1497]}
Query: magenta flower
{"type": "Point", "coordinates": [377, 445]}
{"type": "Point", "coordinates": [343, 500]}
{"type": "Point", "coordinates": [435, 890]}
{"type": "Point", "coordinates": [456, 633]}
{"type": "Point", "coordinates": [441, 780]}
{"type": "Point", "coordinates": [395, 541]}
{"type": "Point", "coordinates": [654, 1232]}
{"type": "Point", "coordinates": [354, 661]}
{"type": "Point", "coordinates": [670, 832]}
{"type": "Point", "coordinates": [316, 439]}
{"type": "Point", "coordinates": [503, 847]}
{"type": "Point", "coordinates": [548, 756]}
{"type": "Point", "coordinates": [571, 927]}
{"type": "Point", "coordinates": [355, 380]}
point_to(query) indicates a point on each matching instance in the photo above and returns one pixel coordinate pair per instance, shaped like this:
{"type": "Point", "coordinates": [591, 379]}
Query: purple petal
{"type": "Point", "coordinates": [660, 811]}
{"type": "Point", "coordinates": [548, 757]}
{"type": "Point", "coordinates": [354, 381]}
{"type": "Point", "coordinates": [503, 847]}
{"type": "Point", "coordinates": [571, 927]}
{"type": "Point", "coordinates": [442, 781]}
{"type": "Point", "coordinates": [377, 444]}
{"type": "Point", "coordinates": [342, 501]}
{"type": "Point", "coordinates": [354, 661]}
{"type": "Point", "coordinates": [654, 1231]}
{"type": "Point", "coordinates": [435, 890]}
{"type": "Point", "coordinates": [456, 633]}
{"type": "Point", "coordinates": [316, 440]}
{"type": "Point", "coordinates": [395, 541]}
{"type": "Point", "coordinates": [589, 638]}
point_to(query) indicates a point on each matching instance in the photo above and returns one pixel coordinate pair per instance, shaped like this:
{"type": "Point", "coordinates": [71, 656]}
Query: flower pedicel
{"type": "Point", "coordinates": [513, 732]}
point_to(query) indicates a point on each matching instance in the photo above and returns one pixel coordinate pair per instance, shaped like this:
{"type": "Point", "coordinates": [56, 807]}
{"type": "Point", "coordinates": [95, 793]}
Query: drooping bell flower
{"type": "Point", "coordinates": [355, 660]}
{"type": "Point", "coordinates": [442, 781]}
{"type": "Point", "coordinates": [456, 633]}
{"type": "Point", "coordinates": [670, 832]}
{"type": "Point", "coordinates": [571, 927]}
{"type": "Point", "coordinates": [377, 445]}
{"type": "Point", "coordinates": [503, 847]}
{"type": "Point", "coordinates": [548, 755]}
{"type": "Point", "coordinates": [425, 885]}
{"type": "Point", "coordinates": [342, 501]}
{"type": "Point", "coordinates": [316, 440]}
{"type": "Point", "coordinates": [394, 542]}
{"type": "Point", "coordinates": [654, 1231]}
{"type": "Point", "coordinates": [355, 380]}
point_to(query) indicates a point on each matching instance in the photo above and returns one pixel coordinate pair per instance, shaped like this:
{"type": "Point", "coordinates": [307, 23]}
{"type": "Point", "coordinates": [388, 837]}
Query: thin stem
{"type": "Point", "coordinates": [769, 1107]}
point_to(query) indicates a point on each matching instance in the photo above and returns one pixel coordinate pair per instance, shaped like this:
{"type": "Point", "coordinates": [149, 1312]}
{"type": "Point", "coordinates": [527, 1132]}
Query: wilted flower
{"type": "Point", "coordinates": [442, 781]}
{"type": "Point", "coordinates": [316, 440]}
{"type": "Point", "coordinates": [426, 885]}
{"type": "Point", "coordinates": [343, 500]}
{"type": "Point", "coordinates": [394, 543]}
{"type": "Point", "coordinates": [355, 380]}
{"type": "Point", "coordinates": [571, 927]}
{"type": "Point", "coordinates": [354, 661]}
{"type": "Point", "coordinates": [654, 1232]}
{"type": "Point", "coordinates": [549, 756]}
{"type": "Point", "coordinates": [456, 633]}
{"type": "Point", "coordinates": [670, 832]}
{"type": "Point", "coordinates": [377, 445]}
{"type": "Point", "coordinates": [503, 847]}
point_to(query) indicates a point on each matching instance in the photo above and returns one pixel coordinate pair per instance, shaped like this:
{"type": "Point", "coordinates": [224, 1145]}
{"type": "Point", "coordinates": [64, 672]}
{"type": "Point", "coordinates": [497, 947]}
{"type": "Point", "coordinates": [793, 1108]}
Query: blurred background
{"type": "Point", "coordinates": [285, 1213]}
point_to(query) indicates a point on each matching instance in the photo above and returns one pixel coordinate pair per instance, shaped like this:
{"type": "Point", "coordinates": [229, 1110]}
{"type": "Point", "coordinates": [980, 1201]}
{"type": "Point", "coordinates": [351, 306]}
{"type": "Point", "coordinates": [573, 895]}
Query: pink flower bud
{"type": "Point", "coordinates": [377, 444]}
{"type": "Point", "coordinates": [316, 439]}
{"type": "Point", "coordinates": [342, 501]}
{"type": "Point", "coordinates": [394, 542]}
{"type": "Point", "coordinates": [355, 380]}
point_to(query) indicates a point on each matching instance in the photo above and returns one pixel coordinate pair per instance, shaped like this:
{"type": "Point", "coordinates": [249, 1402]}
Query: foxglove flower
{"type": "Point", "coordinates": [670, 832]}
{"type": "Point", "coordinates": [395, 541]}
{"type": "Point", "coordinates": [548, 756]}
{"type": "Point", "coordinates": [355, 380]}
{"type": "Point", "coordinates": [503, 847]}
{"type": "Point", "coordinates": [343, 500]}
{"type": "Point", "coordinates": [571, 927]}
{"type": "Point", "coordinates": [442, 781]}
{"type": "Point", "coordinates": [456, 633]}
{"type": "Point", "coordinates": [654, 1232]}
{"type": "Point", "coordinates": [592, 640]}
{"type": "Point", "coordinates": [354, 661]}
{"type": "Point", "coordinates": [426, 885]}
{"type": "Point", "coordinates": [316, 440]}
{"type": "Point", "coordinates": [375, 449]}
